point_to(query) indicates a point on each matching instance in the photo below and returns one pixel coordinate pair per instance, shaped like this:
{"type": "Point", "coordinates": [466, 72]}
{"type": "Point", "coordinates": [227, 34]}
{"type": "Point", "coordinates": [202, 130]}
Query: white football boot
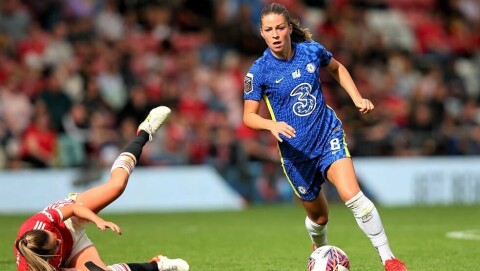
{"type": "Point", "coordinates": [166, 264]}
{"type": "Point", "coordinates": [154, 120]}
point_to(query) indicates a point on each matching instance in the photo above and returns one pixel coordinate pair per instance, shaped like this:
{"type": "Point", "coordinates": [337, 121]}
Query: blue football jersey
{"type": "Point", "coordinates": [292, 92]}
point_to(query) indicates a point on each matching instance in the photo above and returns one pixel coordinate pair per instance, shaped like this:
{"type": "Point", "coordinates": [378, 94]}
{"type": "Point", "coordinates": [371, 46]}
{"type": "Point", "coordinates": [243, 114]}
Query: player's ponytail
{"type": "Point", "coordinates": [299, 34]}
{"type": "Point", "coordinates": [34, 247]}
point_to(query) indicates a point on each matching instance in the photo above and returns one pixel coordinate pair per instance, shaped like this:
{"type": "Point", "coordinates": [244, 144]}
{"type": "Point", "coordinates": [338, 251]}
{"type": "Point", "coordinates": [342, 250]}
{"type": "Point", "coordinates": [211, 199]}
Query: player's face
{"type": "Point", "coordinates": [276, 32]}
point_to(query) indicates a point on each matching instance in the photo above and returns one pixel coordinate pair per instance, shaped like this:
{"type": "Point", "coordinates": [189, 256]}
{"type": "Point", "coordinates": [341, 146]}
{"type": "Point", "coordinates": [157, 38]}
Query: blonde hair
{"type": "Point", "coordinates": [299, 34]}
{"type": "Point", "coordinates": [35, 248]}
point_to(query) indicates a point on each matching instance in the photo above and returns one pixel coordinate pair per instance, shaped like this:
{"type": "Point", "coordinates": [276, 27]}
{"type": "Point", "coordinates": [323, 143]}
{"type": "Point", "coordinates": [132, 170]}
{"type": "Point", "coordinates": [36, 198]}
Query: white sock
{"type": "Point", "coordinates": [368, 219]}
{"type": "Point", "coordinates": [126, 161]}
{"type": "Point", "coordinates": [119, 267]}
{"type": "Point", "coordinates": [318, 233]}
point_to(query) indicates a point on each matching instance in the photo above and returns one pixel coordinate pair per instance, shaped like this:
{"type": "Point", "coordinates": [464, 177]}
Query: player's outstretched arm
{"type": "Point", "coordinates": [83, 212]}
{"type": "Point", "coordinates": [341, 74]}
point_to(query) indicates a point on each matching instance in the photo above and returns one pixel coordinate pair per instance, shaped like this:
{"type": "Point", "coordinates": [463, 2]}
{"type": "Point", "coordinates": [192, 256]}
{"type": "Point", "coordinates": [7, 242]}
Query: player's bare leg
{"type": "Point", "coordinates": [342, 175]}
{"type": "Point", "coordinates": [316, 220]}
{"type": "Point", "coordinates": [89, 260]}
{"type": "Point", "coordinates": [101, 196]}
{"type": "Point", "coordinates": [158, 263]}
{"type": "Point", "coordinates": [88, 254]}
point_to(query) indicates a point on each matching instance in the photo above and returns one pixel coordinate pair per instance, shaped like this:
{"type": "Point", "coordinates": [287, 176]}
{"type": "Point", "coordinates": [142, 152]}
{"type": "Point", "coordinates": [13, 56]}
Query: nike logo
{"type": "Point", "coordinates": [279, 80]}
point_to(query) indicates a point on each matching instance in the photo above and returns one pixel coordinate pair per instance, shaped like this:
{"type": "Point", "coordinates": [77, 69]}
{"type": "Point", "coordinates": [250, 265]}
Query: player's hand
{"type": "Point", "coordinates": [364, 106]}
{"type": "Point", "coordinates": [282, 128]}
{"type": "Point", "coordinates": [103, 225]}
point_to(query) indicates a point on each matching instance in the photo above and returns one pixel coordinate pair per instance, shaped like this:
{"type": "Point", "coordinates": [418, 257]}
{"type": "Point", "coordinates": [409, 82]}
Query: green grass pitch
{"type": "Point", "coordinates": [273, 238]}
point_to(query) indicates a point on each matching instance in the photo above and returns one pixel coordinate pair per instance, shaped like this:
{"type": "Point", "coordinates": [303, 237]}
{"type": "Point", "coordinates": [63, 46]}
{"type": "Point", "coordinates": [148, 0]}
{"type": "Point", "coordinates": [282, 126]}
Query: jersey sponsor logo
{"type": "Point", "coordinates": [279, 80]}
{"type": "Point", "coordinates": [248, 83]}
{"type": "Point", "coordinates": [306, 102]}
{"type": "Point", "coordinates": [310, 68]}
{"type": "Point", "coordinates": [296, 74]}
{"type": "Point", "coordinates": [49, 216]}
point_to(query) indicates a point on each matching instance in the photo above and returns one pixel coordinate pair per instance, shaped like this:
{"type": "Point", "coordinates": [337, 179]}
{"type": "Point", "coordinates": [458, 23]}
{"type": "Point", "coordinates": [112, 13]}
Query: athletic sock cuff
{"type": "Point", "coordinates": [309, 223]}
{"type": "Point", "coordinates": [126, 161]}
{"type": "Point", "coordinates": [351, 201]}
{"type": "Point", "coordinates": [119, 267]}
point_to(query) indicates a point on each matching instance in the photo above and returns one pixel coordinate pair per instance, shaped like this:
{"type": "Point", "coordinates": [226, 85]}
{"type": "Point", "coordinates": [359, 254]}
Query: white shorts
{"type": "Point", "coordinates": [76, 226]}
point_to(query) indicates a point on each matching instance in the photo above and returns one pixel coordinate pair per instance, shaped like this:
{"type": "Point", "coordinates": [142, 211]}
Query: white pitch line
{"type": "Point", "coordinates": [466, 235]}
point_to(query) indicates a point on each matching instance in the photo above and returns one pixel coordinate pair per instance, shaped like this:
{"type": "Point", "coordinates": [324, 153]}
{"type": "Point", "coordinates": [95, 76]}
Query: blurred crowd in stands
{"type": "Point", "coordinates": [78, 76]}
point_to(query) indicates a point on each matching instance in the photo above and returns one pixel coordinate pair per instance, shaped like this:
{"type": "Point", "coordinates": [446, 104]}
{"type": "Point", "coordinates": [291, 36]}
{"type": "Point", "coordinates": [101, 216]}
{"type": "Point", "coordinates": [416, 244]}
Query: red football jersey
{"type": "Point", "coordinates": [49, 219]}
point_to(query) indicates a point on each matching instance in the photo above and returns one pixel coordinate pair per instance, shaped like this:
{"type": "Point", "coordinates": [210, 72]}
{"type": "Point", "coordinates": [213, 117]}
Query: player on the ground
{"type": "Point", "coordinates": [55, 239]}
{"type": "Point", "coordinates": [310, 137]}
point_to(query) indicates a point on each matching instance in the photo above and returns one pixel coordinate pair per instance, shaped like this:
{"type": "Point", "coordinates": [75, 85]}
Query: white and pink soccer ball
{"type": "Point", "coordinates": [328, 258]}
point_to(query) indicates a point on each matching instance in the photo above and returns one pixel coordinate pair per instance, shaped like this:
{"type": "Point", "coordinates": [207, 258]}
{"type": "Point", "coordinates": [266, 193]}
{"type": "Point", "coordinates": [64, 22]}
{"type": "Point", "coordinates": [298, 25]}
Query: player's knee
{"type": "Point", "coordinates": [322, 220]}
{"type": "Point", "coordinates": [117, 186]}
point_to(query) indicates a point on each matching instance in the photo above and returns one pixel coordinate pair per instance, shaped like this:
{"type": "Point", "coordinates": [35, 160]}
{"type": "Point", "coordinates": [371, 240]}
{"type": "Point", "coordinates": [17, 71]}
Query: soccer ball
{"type": "Point", "coordinates": [328, 258]}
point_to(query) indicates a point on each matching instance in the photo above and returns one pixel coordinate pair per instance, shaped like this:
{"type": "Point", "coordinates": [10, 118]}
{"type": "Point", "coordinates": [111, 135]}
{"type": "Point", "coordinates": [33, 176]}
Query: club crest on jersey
{"type": "Point", "coordinates": [248, 83]}
{"type": "Point", "coordinates": [310, 68]}
{"type": "Point", "coordinates": [302, 190]}
{"type": "Point", "coordinates": [296, 74]}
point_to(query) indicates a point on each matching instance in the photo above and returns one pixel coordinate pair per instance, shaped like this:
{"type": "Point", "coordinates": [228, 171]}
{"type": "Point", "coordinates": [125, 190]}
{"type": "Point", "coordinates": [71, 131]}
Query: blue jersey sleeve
{"type": "Point", "coordinates": [324, 55]}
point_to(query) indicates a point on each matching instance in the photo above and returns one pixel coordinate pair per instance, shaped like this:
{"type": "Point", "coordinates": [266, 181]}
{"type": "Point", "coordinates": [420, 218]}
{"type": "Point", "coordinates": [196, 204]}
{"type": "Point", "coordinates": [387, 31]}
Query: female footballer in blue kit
{"type": "Point", "coordinates": [310, 137]}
